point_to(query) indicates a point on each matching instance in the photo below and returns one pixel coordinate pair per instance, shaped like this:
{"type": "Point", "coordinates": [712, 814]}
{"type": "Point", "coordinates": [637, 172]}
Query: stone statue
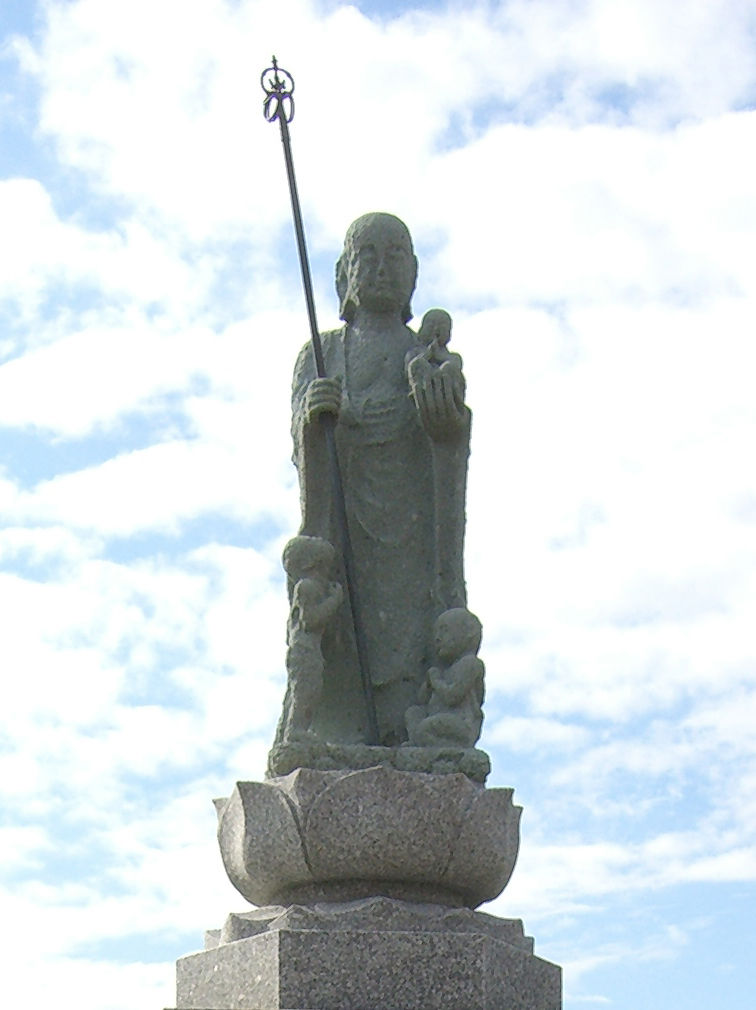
{"type": "Point", "coordinates": [402, 435]}
{"type": "Point", "coordinates": [370, 850]}
{"type": "Point", "coordinates": [450, 713]}
{"type": "Point", "coordinates": [313, 602]}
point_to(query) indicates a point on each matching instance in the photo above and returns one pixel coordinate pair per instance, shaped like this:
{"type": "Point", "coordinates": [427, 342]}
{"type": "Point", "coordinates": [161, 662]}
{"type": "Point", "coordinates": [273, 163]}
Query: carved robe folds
{"type": "Point", "coordinates": [405, 494]}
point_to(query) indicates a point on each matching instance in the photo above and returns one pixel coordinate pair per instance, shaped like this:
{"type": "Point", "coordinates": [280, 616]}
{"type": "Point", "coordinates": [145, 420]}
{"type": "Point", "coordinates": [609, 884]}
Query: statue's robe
{"type": "Point", "coordinates": [404, 496]}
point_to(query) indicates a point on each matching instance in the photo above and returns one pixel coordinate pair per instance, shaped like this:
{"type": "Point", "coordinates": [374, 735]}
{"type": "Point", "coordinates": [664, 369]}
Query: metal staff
{"type": "Point", "coordinates": [278, 86]}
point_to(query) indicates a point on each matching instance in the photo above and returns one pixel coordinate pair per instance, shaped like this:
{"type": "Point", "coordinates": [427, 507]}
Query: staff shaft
{"type": "Point", "coordinates": [328, 425]}
{"type": "Point", "coordinates": [304, 262]}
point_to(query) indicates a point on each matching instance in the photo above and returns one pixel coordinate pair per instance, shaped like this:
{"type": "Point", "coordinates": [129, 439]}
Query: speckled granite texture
{"type": "Point", "coordinates": [336, 835]}
{"type": "Point", "coordinates": [460, 962]}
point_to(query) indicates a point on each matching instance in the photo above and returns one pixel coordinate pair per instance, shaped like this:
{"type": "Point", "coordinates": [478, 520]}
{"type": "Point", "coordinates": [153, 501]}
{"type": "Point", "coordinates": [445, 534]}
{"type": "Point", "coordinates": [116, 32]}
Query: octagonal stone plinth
{"type": "Point", "coordinates": [367, 971]}
{"type": "Point", "coordinates": [376, 954]}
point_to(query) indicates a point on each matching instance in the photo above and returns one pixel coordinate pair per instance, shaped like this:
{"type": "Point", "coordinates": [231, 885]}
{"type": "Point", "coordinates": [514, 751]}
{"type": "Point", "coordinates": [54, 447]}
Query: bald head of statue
{"type": "Point", "coordinates": [377, 270]}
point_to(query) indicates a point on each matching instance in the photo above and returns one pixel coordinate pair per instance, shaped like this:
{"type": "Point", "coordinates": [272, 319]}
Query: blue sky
{"type": "Point", "coordinates": [578, 178]}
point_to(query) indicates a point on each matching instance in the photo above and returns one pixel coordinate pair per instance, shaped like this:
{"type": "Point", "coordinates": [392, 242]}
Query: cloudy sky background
{"type": "Point", "coordinates": [578, 176]}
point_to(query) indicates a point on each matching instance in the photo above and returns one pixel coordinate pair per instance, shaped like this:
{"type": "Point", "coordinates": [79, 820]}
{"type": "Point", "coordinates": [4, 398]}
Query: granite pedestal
{"type": "Point", "coordinates": [376, 875]}
{"type": "Point", "coordinates": [369, 969]}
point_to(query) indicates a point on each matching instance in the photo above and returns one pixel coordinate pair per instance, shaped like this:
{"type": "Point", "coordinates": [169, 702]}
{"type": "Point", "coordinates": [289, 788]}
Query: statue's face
{"type": "Point", "coordinates": [381, 266]}
{"type": "Point", "coordinates": [457, 633]}
{"type": "Point", "coordinates": [436, 326]}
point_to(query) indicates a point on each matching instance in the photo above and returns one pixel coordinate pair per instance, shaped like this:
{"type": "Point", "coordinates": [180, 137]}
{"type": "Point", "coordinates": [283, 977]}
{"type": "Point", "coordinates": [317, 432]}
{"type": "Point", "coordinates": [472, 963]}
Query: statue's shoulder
{"type": "Point", "coordinates": [467, 668]}
{"type": "Point", "coordinates": [326, 337]}
{"type": "Point", "coordinates": [304, 371]}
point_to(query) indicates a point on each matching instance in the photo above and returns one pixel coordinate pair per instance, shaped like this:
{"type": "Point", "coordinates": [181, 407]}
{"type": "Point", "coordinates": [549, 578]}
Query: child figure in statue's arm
{"type": "Point", "coordinates": [435, 377]}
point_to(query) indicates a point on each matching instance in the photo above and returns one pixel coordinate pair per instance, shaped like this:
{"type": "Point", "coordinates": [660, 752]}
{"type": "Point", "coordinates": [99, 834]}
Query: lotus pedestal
{"type": "Point", "coordinates": [368, 881]}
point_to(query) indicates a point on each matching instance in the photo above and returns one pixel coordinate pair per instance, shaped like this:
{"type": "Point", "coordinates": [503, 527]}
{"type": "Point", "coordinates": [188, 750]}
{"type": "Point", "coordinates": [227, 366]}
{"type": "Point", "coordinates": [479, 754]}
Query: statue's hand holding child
{"type": "Point", "coordinates": [435, 377]}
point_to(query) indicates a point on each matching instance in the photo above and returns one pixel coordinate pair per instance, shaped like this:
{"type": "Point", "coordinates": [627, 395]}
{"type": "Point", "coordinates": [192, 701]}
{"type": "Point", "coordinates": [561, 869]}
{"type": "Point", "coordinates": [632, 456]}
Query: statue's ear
{"type": "Point", "coordinates": [407, 310]}
{"type": "Point", "coordinates": [342, 283]}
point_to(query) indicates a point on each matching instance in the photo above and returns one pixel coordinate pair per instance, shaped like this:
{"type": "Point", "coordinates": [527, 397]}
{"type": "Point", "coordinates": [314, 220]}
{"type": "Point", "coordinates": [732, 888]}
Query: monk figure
{"type": "Point", "coordinates": [403, 449]}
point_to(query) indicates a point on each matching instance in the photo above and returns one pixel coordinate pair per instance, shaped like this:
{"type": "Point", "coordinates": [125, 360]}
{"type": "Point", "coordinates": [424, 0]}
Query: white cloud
{"type": "Point", "coordinates": [599, 259]}
{"type": "Point", "coordinates": [526, 734]}
{"type": "Point", "coordinates": [156, 488]}
{"type": "Point", "coordinates": [90, 984]}
{"type": "Point", "coordinates": [44, 257]}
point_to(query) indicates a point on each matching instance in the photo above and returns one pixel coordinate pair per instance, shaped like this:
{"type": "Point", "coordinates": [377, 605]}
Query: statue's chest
{"type": "Point", "coordinates": [375, 367]}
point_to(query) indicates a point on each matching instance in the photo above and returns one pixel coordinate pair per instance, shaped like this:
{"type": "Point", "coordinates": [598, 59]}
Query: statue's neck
{"type": "Point", "coordinates": [367, 324]}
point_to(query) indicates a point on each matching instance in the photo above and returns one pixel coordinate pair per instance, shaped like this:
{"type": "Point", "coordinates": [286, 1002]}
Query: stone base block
{"type": "Point", "coordinates": [323, 756]}
{"type": "Point", "coordinates": [367, 970]}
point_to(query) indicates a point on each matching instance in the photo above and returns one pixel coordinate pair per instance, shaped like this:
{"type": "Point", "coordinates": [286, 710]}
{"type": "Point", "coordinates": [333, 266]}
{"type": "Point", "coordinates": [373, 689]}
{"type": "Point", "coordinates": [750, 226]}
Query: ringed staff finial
{"type": "Point", "coordinates": [278, 85]}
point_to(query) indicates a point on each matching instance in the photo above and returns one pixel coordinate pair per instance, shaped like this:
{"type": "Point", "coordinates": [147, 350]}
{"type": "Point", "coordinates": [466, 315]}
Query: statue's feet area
{"type": "Point", "coordinates": [311, 752]}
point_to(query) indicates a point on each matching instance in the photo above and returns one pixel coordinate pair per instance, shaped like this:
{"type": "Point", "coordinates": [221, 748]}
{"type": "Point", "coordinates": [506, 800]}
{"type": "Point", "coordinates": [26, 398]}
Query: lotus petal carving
{"type": "Point", "coordinates": [320, 835]}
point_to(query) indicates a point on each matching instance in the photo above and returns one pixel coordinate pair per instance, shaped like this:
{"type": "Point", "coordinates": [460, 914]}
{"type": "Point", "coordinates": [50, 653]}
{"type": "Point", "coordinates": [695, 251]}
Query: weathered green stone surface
{"type": "Point", "coordinates": [324, 756]}
{"type": "Point", "coordinates": [402, 435]}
